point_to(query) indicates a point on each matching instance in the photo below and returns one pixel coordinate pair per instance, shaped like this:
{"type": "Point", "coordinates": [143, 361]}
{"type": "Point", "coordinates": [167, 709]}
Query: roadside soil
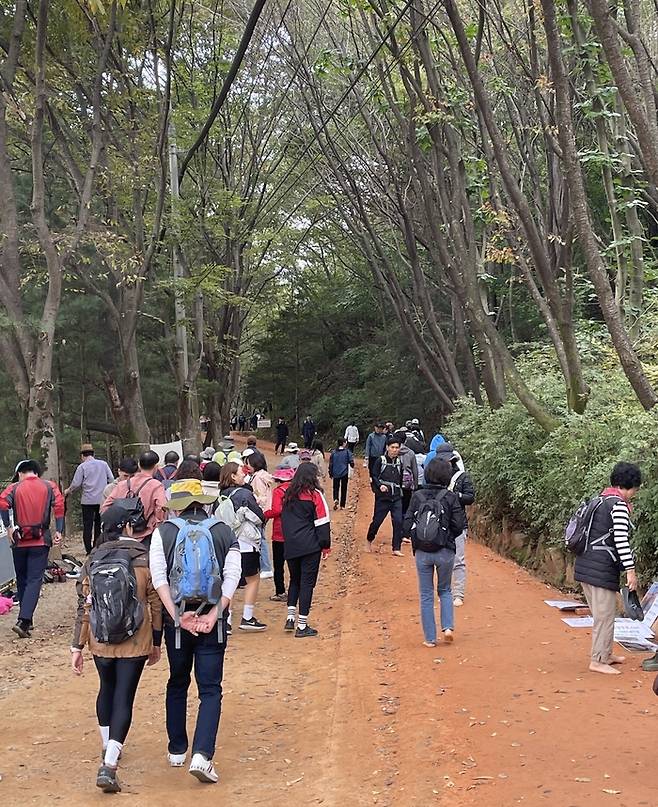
{"type": "Point", "coordinates": [363, 715]}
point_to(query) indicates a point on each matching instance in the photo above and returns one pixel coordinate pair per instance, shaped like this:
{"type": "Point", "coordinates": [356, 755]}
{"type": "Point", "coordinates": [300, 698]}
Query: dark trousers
{"type": "Point", "coordinates": [119, 678]}
{"type": "Point", "coordinates": [278, 565]}
{"type": "Point", "coordinates": [340, 490]}
{"type": "Point", "coordinates": [29, 564]}
{"type": "Point", "coordinates": [91, 523]}
{"type": "Point", "coordinates": [308, 441]}
{"type": "Point", "coordinates": [384, 506]}
{"type": "Point", "coordinates": [280, 444]}
{"type": "Point", "coordinates": [406, 499]}
{"type": "Point", "coordinates": [303, 577]}
{"type": "Point", "coordinates": [205, 653]}
{"type": "Point", "coordinates": [352, 446]}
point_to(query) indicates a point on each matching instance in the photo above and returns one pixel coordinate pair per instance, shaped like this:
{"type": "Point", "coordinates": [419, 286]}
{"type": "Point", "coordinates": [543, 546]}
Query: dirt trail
{"type": "Point", "coordinates": [365, 714]}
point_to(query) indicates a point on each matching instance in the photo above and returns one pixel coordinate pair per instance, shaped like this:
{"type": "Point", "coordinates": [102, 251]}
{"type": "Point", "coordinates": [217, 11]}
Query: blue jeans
{"type": "Point", "coordinates": [426, 562]}
{"type": "Point", "coordinates": [206, 655]}
{"type": "Point", "coordinates": [29, 564]}
{"type": "Point", "coordinates": [265, 562]}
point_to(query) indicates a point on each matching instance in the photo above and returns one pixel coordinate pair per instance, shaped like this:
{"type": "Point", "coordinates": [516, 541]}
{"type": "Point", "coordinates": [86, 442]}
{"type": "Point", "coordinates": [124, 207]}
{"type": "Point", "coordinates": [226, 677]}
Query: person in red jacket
{"type": "Point", "coordinates": [32, 501]}
{"type": "Point", "coordinates": [283, 476]}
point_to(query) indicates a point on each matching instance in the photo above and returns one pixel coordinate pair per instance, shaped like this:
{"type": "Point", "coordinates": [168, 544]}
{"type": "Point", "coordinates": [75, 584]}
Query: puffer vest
{"type": "Point", "coordinates": [599, 564]}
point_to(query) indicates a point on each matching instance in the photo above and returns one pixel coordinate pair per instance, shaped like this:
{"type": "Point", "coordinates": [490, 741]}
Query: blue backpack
{"type": "Point", "coordinates": [195, 575]}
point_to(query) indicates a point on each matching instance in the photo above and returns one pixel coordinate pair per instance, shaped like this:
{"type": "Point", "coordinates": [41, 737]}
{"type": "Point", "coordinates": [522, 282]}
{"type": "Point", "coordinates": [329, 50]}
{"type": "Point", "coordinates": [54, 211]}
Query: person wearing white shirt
{"type": "Point", "coordinates": [351, 436]}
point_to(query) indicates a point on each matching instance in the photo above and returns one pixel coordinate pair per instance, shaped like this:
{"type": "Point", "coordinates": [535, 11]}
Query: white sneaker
{"type": "Point", "coordinates": [266, 575]}
{"type": "Point", "coordinates": [458, 602]}
{"type": "Point", "coordinates": [203, 769]}
{"type": "Point", "coordinates": [176, 760]}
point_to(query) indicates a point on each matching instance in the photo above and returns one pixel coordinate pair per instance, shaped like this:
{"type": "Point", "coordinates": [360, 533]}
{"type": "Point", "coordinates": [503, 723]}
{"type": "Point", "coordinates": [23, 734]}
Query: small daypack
{"type": "Point", "coordinates": [225, 512]}
{"type": "Point", "coordinates": [577, 532]}
{"type": "Point", "coordinates": [135, 506]}
{"type": "Point", "coordinates": [195, 576]}
{"type": "Point", "coordinates": [430, 531]}
{"type": "Point", "coordinates": [116, 612]}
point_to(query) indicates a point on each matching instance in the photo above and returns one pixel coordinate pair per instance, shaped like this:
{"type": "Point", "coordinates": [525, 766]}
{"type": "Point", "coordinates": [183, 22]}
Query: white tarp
{"type": "Point", "coordinates": [162, 448]}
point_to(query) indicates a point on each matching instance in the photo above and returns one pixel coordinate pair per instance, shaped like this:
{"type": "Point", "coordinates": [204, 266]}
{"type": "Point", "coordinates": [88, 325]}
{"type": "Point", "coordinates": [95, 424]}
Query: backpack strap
{"type": "Point", "coordinates": [454, 479]}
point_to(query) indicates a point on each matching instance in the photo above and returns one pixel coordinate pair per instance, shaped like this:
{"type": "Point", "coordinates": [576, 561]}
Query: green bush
{"type": "Point", "coordinates": [538, 479]}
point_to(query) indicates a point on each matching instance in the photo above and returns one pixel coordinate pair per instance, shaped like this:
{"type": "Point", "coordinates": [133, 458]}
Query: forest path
{"type": "Point", "coordinates": [363, 715]}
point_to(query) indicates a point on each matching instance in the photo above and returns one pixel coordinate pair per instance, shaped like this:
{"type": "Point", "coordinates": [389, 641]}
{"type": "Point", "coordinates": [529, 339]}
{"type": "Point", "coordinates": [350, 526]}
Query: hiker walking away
{"type": "Point", "coordinates": [282, 432]}
{"type": "Point", "coordinates": [386, 479]}
{"type": "Point", "coordinates": [196, 597]}
{"type": "Point", "coordinates": [120, 617]}
{"type": "Point", "coordinates": [608, 552]}
{"type": "Point", "coordinates": [351, 436]}
{"type": "Point", "coordinates": [283, 476]}
{"type": "Point", "coordinates": [340, 462]}
{"type": "Point", "coordinates": [127, 468]}
{"type": "Point", "coordinates": [262, 485]}
{"type": "Point", "coordinates": [168, 471]}
{"type": "Point", "coordinates": [307, 540]}
{"type": "Point", "coordinates": [409, 471]}
{"type": "Point", "coordinates": [317, 458]}
{"type": "Point", "coordinates": [414, 428]}
{"type": "Point", "coordinates": [32, 501]}
{"type": "Point", "coordinates": [148, 490]}
{"type": "Point", "coordinates": [433, 521]}
{"type": "Point", "coordinates": [92, 475]}
{"type": "Point", "coordinates": [375, 446]}
{"type": "Point", "coordinates": [308, 431]}
{"type": "Point", "coordinates": [249, 520]}
{"type": "Point", "coordinates": [462, 484]}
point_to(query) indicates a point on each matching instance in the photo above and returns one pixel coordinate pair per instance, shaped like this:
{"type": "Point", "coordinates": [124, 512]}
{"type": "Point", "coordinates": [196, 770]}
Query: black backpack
{"type": "Point", "coordinates": [134, 506]}
{"type": "Point", "coordinates": [430, 531]}
{"type": "Point", "coordinates": [116, 612]}
{"type": "Point", "coordinates": [577, 532]}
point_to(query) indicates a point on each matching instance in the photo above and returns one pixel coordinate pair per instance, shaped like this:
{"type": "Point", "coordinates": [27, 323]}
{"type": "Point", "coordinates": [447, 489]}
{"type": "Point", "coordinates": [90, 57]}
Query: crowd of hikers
{"type": "Point", "coordinates": [170, 542]}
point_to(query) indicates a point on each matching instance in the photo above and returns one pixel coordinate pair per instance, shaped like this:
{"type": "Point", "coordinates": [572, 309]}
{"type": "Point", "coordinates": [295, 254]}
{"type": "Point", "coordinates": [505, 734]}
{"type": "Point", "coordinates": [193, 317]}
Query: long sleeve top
{"type": "Point", "coordinates": [621, 529]}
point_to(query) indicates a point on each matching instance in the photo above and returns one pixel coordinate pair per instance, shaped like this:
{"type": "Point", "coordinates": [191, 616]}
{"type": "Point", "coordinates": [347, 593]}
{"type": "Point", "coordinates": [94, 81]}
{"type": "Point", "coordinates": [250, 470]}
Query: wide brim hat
{"type": "Point", "coordinates": [208, 453]}
{"type": "Point", "coordinates": [185, 493]}
{"type": "Point", "coordinates": [86, 447]}
{"type": "Point", "coordinates": [292, 448]}
{"type": "Point", "coordinates": [283, 474]}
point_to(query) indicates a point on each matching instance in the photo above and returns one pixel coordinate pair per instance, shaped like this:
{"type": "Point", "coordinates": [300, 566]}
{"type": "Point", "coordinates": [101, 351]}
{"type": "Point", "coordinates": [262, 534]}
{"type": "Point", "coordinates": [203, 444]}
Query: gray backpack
{"type": "Point", "coordinates": [116, 612]}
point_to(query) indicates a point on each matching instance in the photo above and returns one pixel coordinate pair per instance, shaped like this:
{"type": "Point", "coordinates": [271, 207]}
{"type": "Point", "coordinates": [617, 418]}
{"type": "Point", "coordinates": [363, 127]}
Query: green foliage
{"type": "Point", "coordinates": [539, 479]}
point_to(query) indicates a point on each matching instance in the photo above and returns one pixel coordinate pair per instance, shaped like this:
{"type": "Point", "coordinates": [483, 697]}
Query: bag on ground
{"type": "Point", "coordinates": [577, 532]}
{"type": "Point", "coordinates": [430, 531]}
{"type": "Point", "coordinates": [116, 612]}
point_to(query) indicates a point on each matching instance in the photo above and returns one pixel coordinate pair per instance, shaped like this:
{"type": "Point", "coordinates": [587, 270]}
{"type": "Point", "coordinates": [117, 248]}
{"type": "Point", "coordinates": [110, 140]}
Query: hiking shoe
{"type": "Point", "coordinates": [279, 597]}
{"type": "Point", "coordinates": [251, 624]}
{"type": "Point", "coordinates": [266, 575]}
{"type": "Point", "coordinates": [203, 769]}
{"type": "Point", "coordinates": [176, 760]}
{"type": "Point", "coordinates": [458, 602]}
{"type": "Point", "coordinates": [650, 664]}
{"type": "Point", "coordinates": [22, 629]}
{"type": "Point", "coordinates": [290, 624]}
{"type": "Point", "coordinates": [301, 633]}
{"type": "Point", "coordinates": [106, 779]}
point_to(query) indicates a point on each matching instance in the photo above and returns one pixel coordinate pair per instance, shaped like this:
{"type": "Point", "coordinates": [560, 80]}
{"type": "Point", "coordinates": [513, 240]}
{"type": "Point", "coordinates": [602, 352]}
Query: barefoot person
{"type": "Point", "coordinates": [202, 643]}
{"type": "Point", "coordinates": [608, 550]}
{"type": "Point", "coordinates": [120, 617]}
{"type": "Point", "coordinates": [433, 521]}
{"type": "Point", "coordinates": [307, 540]}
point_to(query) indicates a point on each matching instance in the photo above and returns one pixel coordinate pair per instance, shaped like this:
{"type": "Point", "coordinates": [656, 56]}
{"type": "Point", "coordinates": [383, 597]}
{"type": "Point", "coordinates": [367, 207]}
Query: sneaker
{"type": "Point", "coordinates": [301, 633]}
{"type": "Point", "coordinates": [106, 779]}
{"type": "Point", "coordinates": [22, 629]}
{"type": "Point", "coordinates": [229, 629]}
{"type": "Point", "coordinates": [448, 636]}
{"type": "Point", "coordinates": [458, 602]}
{"type": "Point", "coordinates": [266, 575]}
{"type": "Point", "coordinates": [336, 504]}
{"type": "Point", "coordinates": [251, 624]}
{"type": "Point", "coordinates": [650, 664]}
{"type": "Point", "coordinates": [290, 624]}
{"type": "Point", "coordinates": [203, 769]}
{"type": "Point", "coordinates": [176, 760]}
{"type": "Point", "coordinates": [279, 597]}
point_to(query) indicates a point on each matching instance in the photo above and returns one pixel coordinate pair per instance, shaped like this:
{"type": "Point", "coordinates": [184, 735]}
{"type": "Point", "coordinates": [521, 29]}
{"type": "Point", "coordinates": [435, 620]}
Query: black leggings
{"type": "Point", "coordinates": [303, 577]}
{"type": "Point", "coordinates": [278, 564]}
{"type": "Point", "coordinates": [119, 678]}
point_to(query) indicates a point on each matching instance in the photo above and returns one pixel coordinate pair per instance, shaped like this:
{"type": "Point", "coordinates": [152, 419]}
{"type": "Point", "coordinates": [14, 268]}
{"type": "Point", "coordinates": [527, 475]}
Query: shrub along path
{"type": "Point", "coordinates": [365, 714]}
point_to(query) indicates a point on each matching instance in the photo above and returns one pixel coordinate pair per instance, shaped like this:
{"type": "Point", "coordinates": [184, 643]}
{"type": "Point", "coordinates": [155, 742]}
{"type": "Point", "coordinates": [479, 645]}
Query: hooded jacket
{"type": "Point", "coordinates": [375, 445]}
{"type": "Point", "coordinates": [442, 450]}
{"type": "Point", "coordinates": [409, 464]}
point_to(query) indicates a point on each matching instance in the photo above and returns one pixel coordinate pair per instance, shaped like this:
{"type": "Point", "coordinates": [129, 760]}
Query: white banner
{"type": "Point", "coordinates": [162, 448]}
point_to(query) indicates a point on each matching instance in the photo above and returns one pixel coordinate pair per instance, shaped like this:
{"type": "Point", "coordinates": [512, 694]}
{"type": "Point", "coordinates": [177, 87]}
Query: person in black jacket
{"type": "Point", "coordinates": [307, 540]}
{"type": "Point", "coordinates": [386, 478]}
{"type": "Point", "coordinates": [308, 431]}
{"type": "Point", "coordinates": [462, 485]}
{"type": "Point", "coordinates": [437, 478]}
{"type": "Point", "coordinates": [282, 432]}
{"type": "Point", "coordinates": [608, 552]}
{"type": "Point", "coordinates": [340, 462]}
